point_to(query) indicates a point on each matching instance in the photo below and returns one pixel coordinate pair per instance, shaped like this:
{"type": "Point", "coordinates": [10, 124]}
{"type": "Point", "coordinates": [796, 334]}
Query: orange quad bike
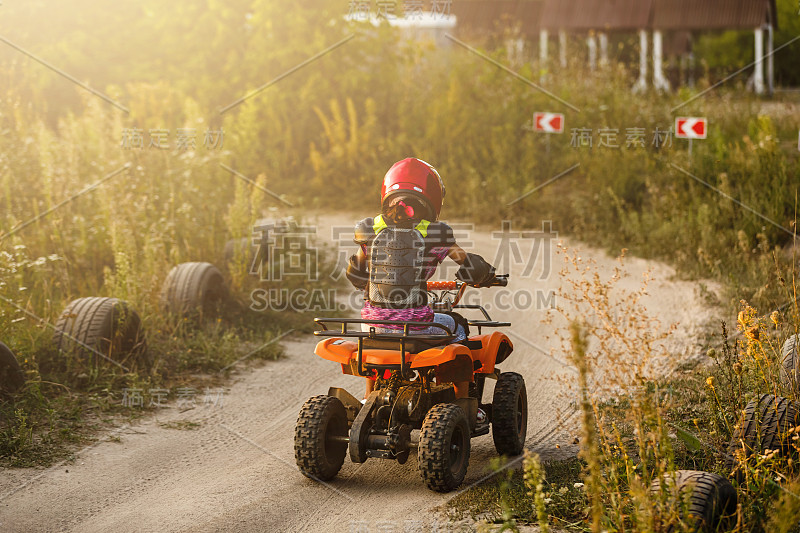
{"type": "Point", "coordinates": [413, 390]}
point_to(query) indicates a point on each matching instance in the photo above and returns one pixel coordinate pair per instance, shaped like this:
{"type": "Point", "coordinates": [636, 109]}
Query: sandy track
{"type": "Point", "coordinates": [236, 472]}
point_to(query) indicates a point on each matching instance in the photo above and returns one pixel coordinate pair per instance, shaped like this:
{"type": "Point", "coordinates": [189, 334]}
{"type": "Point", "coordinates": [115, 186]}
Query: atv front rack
{"type": "Point", "coordinates": [386, 341]}
{"type": "Point", "coordinates": [488, 323]}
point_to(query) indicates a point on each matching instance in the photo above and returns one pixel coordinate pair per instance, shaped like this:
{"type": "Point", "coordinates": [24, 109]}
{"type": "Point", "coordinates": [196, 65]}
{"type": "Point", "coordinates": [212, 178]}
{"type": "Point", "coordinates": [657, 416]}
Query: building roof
{"type": "Point", "coordinates": [488, 15]}
{"type": "Point", "coordinates": [613, 15]}
{"type": "Point", "coordinates": [583, 15]}
{"type": "Point", "coordinates": [712, 14]}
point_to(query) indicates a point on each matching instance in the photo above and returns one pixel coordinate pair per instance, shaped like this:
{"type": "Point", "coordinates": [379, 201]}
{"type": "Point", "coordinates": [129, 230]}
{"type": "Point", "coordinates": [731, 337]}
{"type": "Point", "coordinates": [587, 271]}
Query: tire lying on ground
{"type": "Point", "coordinates": [246, 248]}
{"type": "Point", "coordinates": [764, 425]}
{"type": "Point", "coordinates": [790, 364]}
{"type": "Point", "coordinates": [710, 499]}
{"type": "Point", "coordinates": [193, 288]}
{"type": "Point", "coordinates": [103, 330]}
{"type": "Point", "coordinates": [11, 376]}
{"type": "Point", "coordinates": [239, 250]}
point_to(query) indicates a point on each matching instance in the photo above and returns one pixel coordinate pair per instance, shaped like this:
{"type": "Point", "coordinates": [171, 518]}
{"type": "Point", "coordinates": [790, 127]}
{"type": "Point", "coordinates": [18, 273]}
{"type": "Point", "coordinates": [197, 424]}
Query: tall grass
{"type": "Point", "coordinates": [118, 239]}
{"type": "Point", "coordinates": [324, 137]}
{"type": "Point", "coordinates": [646, 413]}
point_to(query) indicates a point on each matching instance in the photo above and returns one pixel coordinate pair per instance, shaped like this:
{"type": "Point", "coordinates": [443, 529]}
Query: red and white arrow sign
{"type": "Point", "coordinates": [548, 122]}
{"type": "Point", "coordinates": [691, 128]}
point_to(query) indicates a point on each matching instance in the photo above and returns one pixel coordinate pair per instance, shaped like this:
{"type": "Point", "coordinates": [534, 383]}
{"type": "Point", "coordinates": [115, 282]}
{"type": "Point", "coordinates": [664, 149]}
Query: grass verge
{"type": "Point", "coordinates": [654, 424]}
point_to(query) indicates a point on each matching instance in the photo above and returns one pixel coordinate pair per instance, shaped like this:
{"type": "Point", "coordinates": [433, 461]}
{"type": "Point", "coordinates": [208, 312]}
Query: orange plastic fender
{"type": "Point", "coordinates": [337, 350]}
{"type": "Point", "coordinates": [345, 352]}
{"type": "Point", "coordinates": [340, 351]}
{"type": "Point", "coordinates": [439, 355]}
{"type": "Point", "coordinates": [488, 353]}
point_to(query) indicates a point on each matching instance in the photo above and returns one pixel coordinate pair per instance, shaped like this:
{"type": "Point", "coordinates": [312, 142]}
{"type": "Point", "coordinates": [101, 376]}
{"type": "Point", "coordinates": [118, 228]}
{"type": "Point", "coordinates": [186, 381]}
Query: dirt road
{"type": "Point", "coordinates": [236, 471]}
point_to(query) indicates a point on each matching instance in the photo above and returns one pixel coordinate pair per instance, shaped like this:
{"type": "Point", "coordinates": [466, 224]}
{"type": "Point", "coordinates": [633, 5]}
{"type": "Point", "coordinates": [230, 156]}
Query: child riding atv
{"type": "Point", "coordinates": [425, 373]}
{"type": "Point", "coordinates": [400, 250]}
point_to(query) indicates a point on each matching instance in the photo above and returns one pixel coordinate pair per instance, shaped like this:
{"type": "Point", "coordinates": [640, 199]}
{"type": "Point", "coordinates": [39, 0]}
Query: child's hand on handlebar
{"type": "Point", "coordinates": [475, 271]}
{"type": "Point", "coordinates": [495, 281]}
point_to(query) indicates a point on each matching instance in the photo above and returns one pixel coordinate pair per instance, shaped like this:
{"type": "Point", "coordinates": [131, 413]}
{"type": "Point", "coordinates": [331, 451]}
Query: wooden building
{"type": "Point", "coordinates": [594, 20]}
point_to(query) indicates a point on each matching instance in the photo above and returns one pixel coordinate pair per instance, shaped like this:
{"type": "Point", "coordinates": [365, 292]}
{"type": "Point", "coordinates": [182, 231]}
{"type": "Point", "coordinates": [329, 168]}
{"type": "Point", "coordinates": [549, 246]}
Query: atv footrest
{"type": "Point", "coordinates": [480, 429]}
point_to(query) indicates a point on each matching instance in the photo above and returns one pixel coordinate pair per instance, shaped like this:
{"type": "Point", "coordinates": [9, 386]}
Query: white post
{"type": "Point", "coordinates": [758, 74]}
{"type": "Point", "coordinates": [770, 63]}
{"type": "Point", "coordinates": [641, 83]}
{"type": "Point", "coordinates": [659, 81]}
{"type": "Point", "coordinates": [514, 48]}
{"type": "Point", "coordinates": [542, 54]}
{"type": "Point", "coordinates": [603, 37]}
{"type": "Point", "coordinates": [562, 48]}
{"type": "Point", "coordinates": [592, 43]}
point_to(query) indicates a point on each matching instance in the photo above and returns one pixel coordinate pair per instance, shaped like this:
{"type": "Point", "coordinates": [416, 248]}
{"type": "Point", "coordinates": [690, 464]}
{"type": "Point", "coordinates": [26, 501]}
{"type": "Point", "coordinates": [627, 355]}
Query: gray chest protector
{"type": "Point", "coordinates": [396, 273]}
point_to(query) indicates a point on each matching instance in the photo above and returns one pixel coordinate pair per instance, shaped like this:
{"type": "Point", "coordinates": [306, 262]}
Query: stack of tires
{"type": "Point", "coordinates": [765, 424]}
{"type": "Point", "coordinates": [790, 365]}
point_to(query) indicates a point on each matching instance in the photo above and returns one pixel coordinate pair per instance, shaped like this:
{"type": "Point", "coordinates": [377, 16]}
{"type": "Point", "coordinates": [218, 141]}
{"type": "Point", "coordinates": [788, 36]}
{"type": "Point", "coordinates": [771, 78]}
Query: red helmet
{"type": "Point", "coordinates": [414, 177]}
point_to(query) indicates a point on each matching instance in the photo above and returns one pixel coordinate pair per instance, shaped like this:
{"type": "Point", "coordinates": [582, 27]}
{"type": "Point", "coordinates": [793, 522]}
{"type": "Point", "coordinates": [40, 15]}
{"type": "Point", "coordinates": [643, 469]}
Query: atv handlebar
{"type": "Point", "coordinates": [443, 285]}
{"type": "Point", "coordinates": [442, 303]}
{"type": "Point", "coordinates": [497, 281]}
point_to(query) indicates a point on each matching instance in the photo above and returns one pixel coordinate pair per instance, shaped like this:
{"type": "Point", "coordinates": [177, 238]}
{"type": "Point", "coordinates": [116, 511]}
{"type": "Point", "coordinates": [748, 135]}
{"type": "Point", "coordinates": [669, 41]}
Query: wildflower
{"type": "Point", "coordinates": [737, 368]}
{"type": "Point", "coordinates": [547, 500]}
{"type": "Point", "coordinates": [774, 318]}
{"type": "Point", "coordinates": [710, 381]}
{"type": "Point", "coordinates": [712, 353]}
{"type": "Point", "coordinates": [563, 490]}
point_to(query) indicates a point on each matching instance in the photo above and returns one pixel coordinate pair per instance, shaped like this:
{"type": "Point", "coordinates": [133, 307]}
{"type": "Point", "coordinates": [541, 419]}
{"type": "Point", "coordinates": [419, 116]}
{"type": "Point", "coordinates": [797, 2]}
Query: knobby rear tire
{"type": "Point", "coordinates": [509, 414]}
{"type": "Point", "coordinates": [444, 447]}
{"type": "Point", "coordinates": [318, 456]}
